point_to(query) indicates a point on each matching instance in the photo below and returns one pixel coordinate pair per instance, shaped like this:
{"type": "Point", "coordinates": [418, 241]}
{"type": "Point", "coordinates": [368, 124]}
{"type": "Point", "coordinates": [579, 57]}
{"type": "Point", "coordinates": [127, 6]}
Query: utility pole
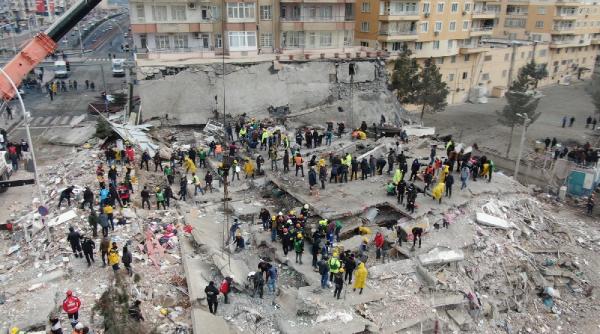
{"type": "Point", "coordinates": [526, 121]}
{"type": "Point", "coordinates": [103, 79]}
{"type": "Point", "coordinates": [80, 40]}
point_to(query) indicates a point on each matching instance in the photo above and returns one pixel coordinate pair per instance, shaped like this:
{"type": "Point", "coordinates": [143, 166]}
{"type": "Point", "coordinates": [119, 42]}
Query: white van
{"type": "Point", "coordinates": [118, 70]}
{"type": "Point", "coordinates": [60, 69]}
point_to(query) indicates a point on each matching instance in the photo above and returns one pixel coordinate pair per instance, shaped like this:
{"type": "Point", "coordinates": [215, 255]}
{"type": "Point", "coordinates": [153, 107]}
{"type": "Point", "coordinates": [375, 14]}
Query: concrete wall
{"type": "Point", "coordinates": [317, 86]}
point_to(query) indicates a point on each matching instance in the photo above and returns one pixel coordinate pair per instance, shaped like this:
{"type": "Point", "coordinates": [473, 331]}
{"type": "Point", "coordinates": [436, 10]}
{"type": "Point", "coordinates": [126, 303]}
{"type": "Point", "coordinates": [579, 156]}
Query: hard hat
{"type": "Point", "coordinates": [365, 240]}
{"type": "Point", "coordinates": [79, 325]}
{"type": "Point", "coordinates": [292, 212]}
{"type": "Point", "coordinates": [69, 293]}
{"type": "Point", "coordinates": [335, 254]}
{"type": "Point", "coordinates": [342, 270]}
{"type": "Point", "coordinates": [289, 221]}
{"type": "Point", "coordinates": [273, 217]}
{"type": "Point", "coordinates": [235, 161]}
{"type": "Point", "coordinates": [280, 213]}
{"type": "Point", "coordinates": [299, 236]}
{"type": "Point", "coordinates": [306, 206]}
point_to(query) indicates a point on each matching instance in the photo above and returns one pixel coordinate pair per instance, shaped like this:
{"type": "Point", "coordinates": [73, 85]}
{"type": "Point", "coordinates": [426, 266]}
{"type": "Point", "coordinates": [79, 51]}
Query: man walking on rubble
{"type": "Point", "coordinates": [74, 238]}
{"type": "Point", "coordinates": [88, 246]}
{"type": "Point", "coordinates": [211, 297]}
{"type": "Point", "coordinates": [66, 194]}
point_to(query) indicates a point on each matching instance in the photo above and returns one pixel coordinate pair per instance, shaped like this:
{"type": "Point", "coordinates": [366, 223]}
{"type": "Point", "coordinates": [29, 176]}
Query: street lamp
{"type": "Point", "coordinates": [526, 121]}
{"type": "Point", "coordinates": [35, 169]}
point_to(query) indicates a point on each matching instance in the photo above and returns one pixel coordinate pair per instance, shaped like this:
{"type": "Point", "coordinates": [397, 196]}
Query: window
{"type": "Point", "coordinates": [326, 12]}
{"type": "Point", "coordinates": [504, 73]}
{"type": "Point", "coordinates": [349, 37]}
{"type": "Point", "coordinates": [426, 7]}
{"type": "Point", "coordinates": [536, 37]}
{"type": "Point", "coordinates": [365, 44]}
{"type": "Point", "coordinates": [454, 7]}
{"type": "Point", "coordinates": [242, 40]}
{"type": "Point", "coordinates": [465, 25]}
{"type": "Point", "coordinates": [265, 13]}
{"type": "Point", "coordinates": [506, 55]}
{"type": "Point", "coordinates": [467, 58]}
{"type": "Point", "coordinates": [293, 39]}
{"type": "Point", "coordinates": [543, 53]}
{"type": "Point", "coordinates": [364, 26]}
{"type": "Point", "coordinates": [539, 24]}
{"type": "Point", "coordinates": [266, 38]}
{"type": "Point", "coordinates": [453, 59]}
{"type": "Point", "coordinates": [419, 46]}
{"type": "Point", "coordinates": [451, 77]}
{"type": "Point", "coordinates": [312, 39]}
{"type": "Point", "coordinates": [178, 13]}
{"type": "Point", "coordinates": [465, 75]}
{"type": "Point", "coordinates": [326, 38]}
{"type": "Point", "coordinates": [541, 10]}
{"type": "Point", "coordinates": [424, 26]}
{"type": "Point", "coordinates": [518, 23]}
{"type": "Point", "coordinates": [162, 42]}
{"type": "Point", "coordinates": [140, 12]}
{"type": "Point", "coordinates": [180, 41]}
{"type": "Point", "coordinates": [467, 7]}
{"type": "Point", "coordinates": [452, 26]}
{"type": "Point", "coordinates": [440, 7]}
{"type": "Point", "coordinates": [450, 44]}
{"type": "Point", "coordinates": [366, 7]}
{"type": "Point", "coordinates": [438, 26]}
{"type": "Point", "coordinates": [485, 76]}
{"type": "Point", "coordinates": [159, 13]}
{"type": "Point", "coordinates": [487, 58]}
{"type": "Point", "coordinates": [240, 11]}
{"type": "Point", "coordinates": [218, 41]}
{"type": "Point", "coordinates": [522, 54]}
{"type": "Point", "coordinates": [397, 46]}
{"type": "Point", "coordinates": [436, 45]}
{"type": "Point", "coordinates": [440, 61]}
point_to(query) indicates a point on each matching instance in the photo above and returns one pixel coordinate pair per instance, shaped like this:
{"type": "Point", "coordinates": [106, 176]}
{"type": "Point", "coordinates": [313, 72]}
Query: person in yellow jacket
{"type": "Point", "coordinates": [189, 165]}
{"type": "Point", "coordinates": [438, 191]}
{"type": "Point", "coordinates": [113, 257]}
{"type": "Point", "coordinates": [360, 281]}
{"type": "Point", "coordinates": [445, 172]}
{"type": "Point", "coordinates": [397, 176]}
{"type": "Point", "coordinates": [249, 168]}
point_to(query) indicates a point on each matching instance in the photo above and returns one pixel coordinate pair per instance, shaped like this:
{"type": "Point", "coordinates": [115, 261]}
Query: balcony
{"type": "Point", "coordinates": [400, 16]}
{"type": "Point", "coordinates": [174, 54]}
{"type": "Point", "coordinates": [482, 31]}
{"type": "Point", "coordinates": [485, 14]}
{"type": "Point", "coordinates": [473, 48]}
{"type": "Point", "coordinates": [569, 43]}
{"type": "Point", "coordinates": [557, 29]}
{"type": "Point", "coordinates": [518, 13]}
{"type": "Point", "coordinates": [566, 16]}
{"type": "Point", "coordinates": [297, 23]}
{"type": "Point", "coordinates": [394, 36]}
{"type": "Point", "coordinates": [317, 1]}
{"type": "Point", "coordinates": [564, 3]}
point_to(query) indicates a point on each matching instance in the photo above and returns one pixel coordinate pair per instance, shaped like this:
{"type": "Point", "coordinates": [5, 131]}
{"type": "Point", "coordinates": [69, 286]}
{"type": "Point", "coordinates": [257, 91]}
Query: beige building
{"type": "Point", "coordinates": [484, 43]}
{"type": "Point", "coordinates": [179, 30]}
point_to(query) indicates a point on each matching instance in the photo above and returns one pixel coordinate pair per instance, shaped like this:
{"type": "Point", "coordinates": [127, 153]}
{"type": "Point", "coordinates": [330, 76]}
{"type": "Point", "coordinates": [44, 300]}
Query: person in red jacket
{"type": "Point", "coordinates": [130, 153]}
{"type": "Point", "coordinates": [123, 191]}
{"type": "Point", "coordinates": [71, 305]}
{"type": "Point", "coordinates": [225, 287]}
{"type": "Point", "coordinates": [378, 244]}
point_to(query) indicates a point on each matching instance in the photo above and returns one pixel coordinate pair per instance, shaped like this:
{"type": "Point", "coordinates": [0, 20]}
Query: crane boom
{"type": "Point", "coordinates": [43, 44]}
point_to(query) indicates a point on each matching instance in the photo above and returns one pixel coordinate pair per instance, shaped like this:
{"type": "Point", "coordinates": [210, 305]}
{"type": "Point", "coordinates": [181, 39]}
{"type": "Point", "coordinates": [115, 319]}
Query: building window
{"type": "Point", "coordinates": [465, 25]}
{"type": "Point", "coordinates": [240, 10]}
{"type": "Point", "coordinates": [365, 44]}
{"type": "Point", "coordinates": [426, 7]}
{"type": "Point", "coordinates": [419, 46]}
{"type": "Point", "coordinates": [326, 12]}
{"type": "Point", "coordinates": [452, 26]}
{"type": "Point", "coordinates": [440, 7]}
{"type": "Point", "coordinates": [515, 23]}
{"type": "Point", "coordinates": [541, 10]}
{"type": "Point", "coordinates": [178, 13]}
{"type": "Point", "coordinates": [539, 24]}
{"type": "Point", "coordinates": [454, 7]}
{"type": "Point", "coordinates": [424, 26]}
{"type": "Point", "coordinates": [536, 37]}
{"type": "Point", "coordinates": [266, 39]}
{"type": "Point", "coordinates": [180, 41]}
{"type": "Point", "coordinates": [159, 13]}
{"type": "Point", "coordinates": [325, 38]}
{"type": "Point", "coordinates": [451, 77]}
{"type": "Point", "coordinates": [364, 26]}
{"type": "Point", "coordinates": [242, 40]}
{"type": "Point", "coordinates": [453, 59]}
{"type": "Point", "coordinates": [438, 26]}
{"type": "Point", "coordinates": [366, 7]}
{"type": "Point", "coordinates": [523, 55]}
{"type": "Point", "coordinates": [265, 13]}
{"type": "Point", "coordinates": [440, 61]}
{"type": "Point", "coordinates": [467, 7]}
{"type": "Point", "coordinates": [506, 55]}
{"type": "Point", "coordinates": [487, 58]}
{"type": "Point", "coordinates": [218, 41]}
{"type": "Point", "coordinates": [293, 39]}
{"type": "Point", "coordinates": [543, 53]}
{"type": "Point", "coordinates": [436, 45]}
{"type": "Point", "coordinates": [450, 44]}
{"type": "Point", "coordinates": [485, 76]}
{"type": "Point", "coordinates": [467, 58]}
{"type": "Point", "coordinates": [140, 12]}
{"type": "Point", "coordinates": [162, 42]}
{"type": "Point", "coordinates": [465, 75]}
{"type": "Point", "coordinates": [349, 37]}
{"type": "Point", "coordinates": [504, 73]}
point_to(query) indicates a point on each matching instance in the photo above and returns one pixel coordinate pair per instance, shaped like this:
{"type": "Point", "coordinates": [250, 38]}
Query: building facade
{"type": "Point", "coordinates": [484, 43]}
{"type": "Point", "coordinates": [177, 30]}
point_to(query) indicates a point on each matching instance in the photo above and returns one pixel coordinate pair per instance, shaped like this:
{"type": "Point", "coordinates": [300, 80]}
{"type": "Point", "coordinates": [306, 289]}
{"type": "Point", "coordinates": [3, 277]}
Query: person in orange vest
{"type": "Point", "coordinates": [299, 163]}
{"type": "Point", "coordinates": [71, 305]}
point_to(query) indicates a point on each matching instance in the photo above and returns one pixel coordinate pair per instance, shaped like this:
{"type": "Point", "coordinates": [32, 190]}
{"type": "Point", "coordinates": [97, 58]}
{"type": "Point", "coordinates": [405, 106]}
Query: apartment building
{"type": "Point", "coordinates": [19, 13]}
{"type": "Point", "coordinates": [177, 30]}
{"type": "Point", "coordinates": [484, 43]}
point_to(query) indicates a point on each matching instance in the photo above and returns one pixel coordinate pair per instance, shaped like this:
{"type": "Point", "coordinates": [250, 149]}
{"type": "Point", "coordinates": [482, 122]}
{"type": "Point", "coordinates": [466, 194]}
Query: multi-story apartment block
{"type": "Point", "coordinates": [483, 43]}
{"type": "Point", "coordinates": [175, 29]}
{"type": "Point", "coordinates": [19, 13]}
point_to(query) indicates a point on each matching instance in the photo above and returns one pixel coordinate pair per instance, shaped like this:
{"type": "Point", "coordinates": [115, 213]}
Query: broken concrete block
{"type": "Point", "coordinates": [13, 249]}
{"type": "Point", "coordinates": [487, 220]}
{"type": "Point", "coordinates": [461, 318]}
{"type": "Point", "coordinates": [128, 213]}
{"type": "Point", "coordinates": [439, 256]}
{"type": "Point", "coordinates": [63, 218]}
{"type": "Point", "coordinates": [392, 269]}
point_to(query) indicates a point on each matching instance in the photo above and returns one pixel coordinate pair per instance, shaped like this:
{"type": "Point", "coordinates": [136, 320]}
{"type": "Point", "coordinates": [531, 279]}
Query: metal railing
{"type": "Point", "coordinates": [305, 18]}
{"type": "Point", "coordinates": [563, 28]}
{"type": "Point", "coordinates": [487, 11]}
{"type": "Point", "coordinates": [387, 32]}
{"type": "Point", "coordinates": [476, 29]}
{"type": "Point", "coordinates": [402, 13]}
{"type": "Point", "coordinates": [176, 50]}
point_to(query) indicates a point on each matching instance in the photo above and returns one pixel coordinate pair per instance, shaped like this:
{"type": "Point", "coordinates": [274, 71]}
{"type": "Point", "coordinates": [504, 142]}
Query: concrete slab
{"type": "Point", "coordinates": [337, 326]}
{"type": "Point", "coordinates": [205, 322]}
{"type": "Point", "coordinates": [461, 318]}
{"type": "Point", "coordinates": [70, 136]}
{"type": "Point", "coordinates": [230, 266]}
{"type": "Point", "coordinates": [351, 243]}
{"type": "Point", "coordinates": [392, 269]}
{"type": "Point", "coordinates": [488, 220]}
{"type": "Point", "coordinates": [441, 256]}
{"type": "Point", "coordinates": [442, 300]}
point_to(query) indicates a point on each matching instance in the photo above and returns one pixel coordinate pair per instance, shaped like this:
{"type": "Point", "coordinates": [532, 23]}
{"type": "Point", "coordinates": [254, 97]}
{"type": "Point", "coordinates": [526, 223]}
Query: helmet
{"type": "Point", "coordinates": [232, 277]}
{"type": "Point", "coordinates": [280, 213]}
{"type": "Point", "coordinates": [299, 236]}
{"type": "Point", "coordinates": [273, 217]}
{"type": "Point", "coordinates": [306, 206]}
{"type": "Point", "coordinates": [285, 230]}
{"type": "Point", "coordinates": [365, 240]}
{"type": "Point", "coordinates": [342, 270]}
{"type": "Point", "coordinates": [79, 325]}
{"type": "Point", "coordinates": [292, 212]}
{"type": "Point", "coordinates": [335, 254]}
{"type": "Point", "coordinates": [289, 221]}
{"type": "Point", "coordinates": [69, 293]}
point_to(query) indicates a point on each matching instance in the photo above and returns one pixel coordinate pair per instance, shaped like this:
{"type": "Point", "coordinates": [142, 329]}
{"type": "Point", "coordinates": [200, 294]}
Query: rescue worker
{"type": "Point", "coordinates": [74, 238]}
{"type": "Point", "coordinates": [71, 306]}
{"type": "Point", "coordinates": [334, 265]}
{"type": "Point", "coordinates": [338, 280]}
{"type": "Point", "coordinates": [113, 257]}
{"type": "Point", "coordinates": [225, 288]}
{"type": "Point", "coordinates": [211, 297]}
{"type": "Point", "coordinates": [88, 246]}
{"type": "Point", "coordinates": [104, 247]}
{"type": "Point", "coordinates": [361, 278]}
{"type": "Point", "coordinates": [299, 247]}
{"type": "Point", "coordinates": [417, 232]}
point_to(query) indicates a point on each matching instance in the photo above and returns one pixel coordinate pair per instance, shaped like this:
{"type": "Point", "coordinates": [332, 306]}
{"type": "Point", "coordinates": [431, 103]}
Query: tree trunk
{"type": "Point", "coordinates": [422, 113]}
{"type": "Point", "coordinates": [512, 130]}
